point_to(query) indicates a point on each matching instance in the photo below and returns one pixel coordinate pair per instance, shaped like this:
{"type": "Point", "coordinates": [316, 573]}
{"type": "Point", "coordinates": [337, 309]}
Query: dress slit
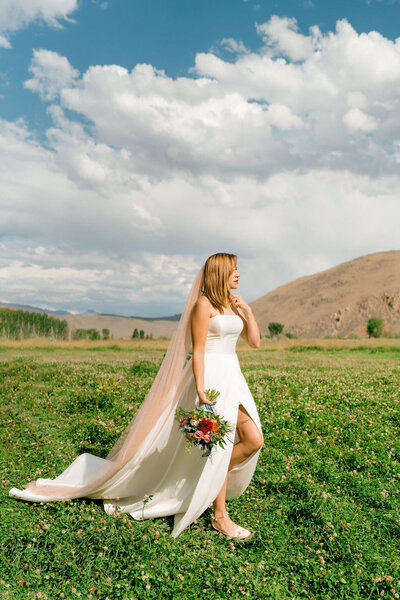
{"type": "Point", "coordinates": [249, 417]}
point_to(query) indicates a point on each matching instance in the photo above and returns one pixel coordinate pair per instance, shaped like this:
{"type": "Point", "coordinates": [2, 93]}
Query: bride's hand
{"type": "Point", "coordinates": [203, 398]}
{"type": "Point", "coordinates": [238, 302]}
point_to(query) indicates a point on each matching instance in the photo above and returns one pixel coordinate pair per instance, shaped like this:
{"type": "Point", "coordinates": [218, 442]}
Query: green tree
{"type": "Point", "coordinates": [141, 334]}
{"type": "Point", "coordinates": [94, 334]}
{"type": "Point", "coordinates": [135, 334]}
{"type": "Point", "coordinates": [375, 327]}
{"type": "Point", "coordinates": [79, 334]}
{"type": "Point", "coordinates": [275, 328]}
{"type": "Point", "coordinates": [106, 333]}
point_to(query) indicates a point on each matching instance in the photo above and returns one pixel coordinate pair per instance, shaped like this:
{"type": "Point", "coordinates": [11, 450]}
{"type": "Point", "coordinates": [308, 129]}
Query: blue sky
{"type": "Point", "coordinates": [262, 136]}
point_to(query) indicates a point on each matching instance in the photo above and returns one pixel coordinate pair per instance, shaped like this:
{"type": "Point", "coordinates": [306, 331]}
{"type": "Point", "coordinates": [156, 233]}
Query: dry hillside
{"type": "Point", "coordinates": [337, 301]}
{"type": "Point", "coordinates": [120, 327]}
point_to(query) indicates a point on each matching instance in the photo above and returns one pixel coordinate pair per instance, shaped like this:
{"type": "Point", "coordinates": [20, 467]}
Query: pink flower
{"type": "Point", "coordinates": [182, 421]}
{"type": "Point", "coordinates": [206, 437]}
{"type": "Point", "coordinates": [199, 435]}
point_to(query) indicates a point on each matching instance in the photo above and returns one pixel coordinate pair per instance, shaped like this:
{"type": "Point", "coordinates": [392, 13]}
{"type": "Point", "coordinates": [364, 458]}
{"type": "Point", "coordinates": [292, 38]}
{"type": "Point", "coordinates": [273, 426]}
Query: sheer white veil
{"type": "Point", "coordinates": [138, 440]}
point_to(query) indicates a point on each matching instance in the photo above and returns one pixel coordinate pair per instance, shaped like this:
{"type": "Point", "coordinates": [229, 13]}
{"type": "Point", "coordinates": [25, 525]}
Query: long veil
{"type": "Point", "coordinates": [143, 434]}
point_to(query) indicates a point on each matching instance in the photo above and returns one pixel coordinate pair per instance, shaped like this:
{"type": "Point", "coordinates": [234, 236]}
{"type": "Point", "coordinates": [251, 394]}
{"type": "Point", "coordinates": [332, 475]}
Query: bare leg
{"type": "Point", "coordinates": [250, 441]}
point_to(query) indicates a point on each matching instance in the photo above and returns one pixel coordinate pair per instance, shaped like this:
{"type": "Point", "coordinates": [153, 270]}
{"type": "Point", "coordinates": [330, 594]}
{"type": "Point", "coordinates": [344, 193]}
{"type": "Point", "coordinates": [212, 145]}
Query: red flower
{"type": "Point", "coordinates": [205, 425]}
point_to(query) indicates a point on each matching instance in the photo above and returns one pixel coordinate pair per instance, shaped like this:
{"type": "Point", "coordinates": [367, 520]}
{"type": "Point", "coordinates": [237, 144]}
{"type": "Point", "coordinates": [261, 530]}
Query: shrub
{"type": "Point", "coordinates": [291, 336]}
{"type": "Point", "coordinates": [135, 333]}
{"type": "Point", "coordinates": [375, 327]}
{"type": "Point", "coordinates": [79, 334]}
{"type": "Point", "coordinates": [94, 334]}
{"type": "Point", "coordinates": [84, 334]}
{"type": "Point", "coordinates": [106, 333]}
{"type": "Point", "coordinates": [275, 328]}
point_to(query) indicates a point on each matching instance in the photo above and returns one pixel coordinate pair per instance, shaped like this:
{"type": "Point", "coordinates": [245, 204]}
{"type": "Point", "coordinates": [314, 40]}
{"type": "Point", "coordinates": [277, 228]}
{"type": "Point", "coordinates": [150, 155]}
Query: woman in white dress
{"type": "Point", "coordinates": [148, 472]}
{"type": "Point", "coordinates": [213, 352]}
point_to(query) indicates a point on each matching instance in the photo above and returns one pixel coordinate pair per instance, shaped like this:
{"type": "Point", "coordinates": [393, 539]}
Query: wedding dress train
{"type": "Point", "coordinates": [178, 482]}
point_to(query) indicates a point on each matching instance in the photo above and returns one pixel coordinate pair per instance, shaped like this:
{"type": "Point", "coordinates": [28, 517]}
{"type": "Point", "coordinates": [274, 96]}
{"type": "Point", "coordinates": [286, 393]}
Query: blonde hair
{"type": "Point", "coordinates": [217, 270]}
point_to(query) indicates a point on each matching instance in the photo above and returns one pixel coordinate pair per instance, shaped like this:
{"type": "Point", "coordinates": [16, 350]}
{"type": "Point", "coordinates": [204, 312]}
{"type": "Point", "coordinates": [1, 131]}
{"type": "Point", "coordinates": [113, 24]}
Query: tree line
{"type": "Point", "coordinates": [141, 335]}
{"type": "Point", "coordinates": [94, 334]}
{"type": "Point", "coordinates": [90, 334]}
{"type": "Point", "coordinates": [23, 324]}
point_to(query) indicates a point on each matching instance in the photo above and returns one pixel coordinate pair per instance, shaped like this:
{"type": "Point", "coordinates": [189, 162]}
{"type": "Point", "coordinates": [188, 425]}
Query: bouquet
{"type": "Point", "coordinates": [202, 427]}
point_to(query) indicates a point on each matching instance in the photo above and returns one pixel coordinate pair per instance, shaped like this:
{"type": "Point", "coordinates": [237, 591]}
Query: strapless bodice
{"type": "Point", "coordinates": [223, 333]}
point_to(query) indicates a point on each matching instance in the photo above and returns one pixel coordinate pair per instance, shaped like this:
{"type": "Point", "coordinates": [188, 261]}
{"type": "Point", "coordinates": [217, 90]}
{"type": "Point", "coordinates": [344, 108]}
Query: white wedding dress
{"type": "Point", "coordinates": [182, 483]}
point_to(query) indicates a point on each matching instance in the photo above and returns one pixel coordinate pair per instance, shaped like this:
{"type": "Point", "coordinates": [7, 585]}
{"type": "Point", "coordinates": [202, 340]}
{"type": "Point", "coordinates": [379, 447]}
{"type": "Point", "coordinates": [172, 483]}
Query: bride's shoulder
{"type": "Point", "coordinates": [203, 302]}
{"type": "Point", "coordinates": [202, 305]}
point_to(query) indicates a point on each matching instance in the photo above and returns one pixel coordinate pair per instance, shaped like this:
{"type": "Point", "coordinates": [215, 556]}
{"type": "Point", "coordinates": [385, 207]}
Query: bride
{"type": "Point", "coordinates": [149, 473]}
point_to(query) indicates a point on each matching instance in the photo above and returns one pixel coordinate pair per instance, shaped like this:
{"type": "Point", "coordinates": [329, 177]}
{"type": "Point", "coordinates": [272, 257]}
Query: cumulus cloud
{"type": "Point", "coordinates": [275, 107]}
{"type": "Point", "coordinates": [287, 156]}
{"type": "Point", "coordinates": [280, 36]}
{"type": "Point", "coordinates": [234, 46]}
{"type": "Point", "coordinates": [357, 119]}
{"type": "Point", "coordinates": [82, 247]}
{"type": "Point", "coordinates": [51, 73]}
{"type": "Point", "coordinates": [17, 14]}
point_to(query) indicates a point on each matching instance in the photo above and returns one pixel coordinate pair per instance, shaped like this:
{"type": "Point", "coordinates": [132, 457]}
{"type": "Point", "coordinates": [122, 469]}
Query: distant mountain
{"type": "Point", "coordinates": [338, 301]}
{"type": "Point", "coordinates": [172, 318]}
{"type": "Point", "coordinates": [34, 308]}
{"type": "Point", "coordinates": [87, 312]}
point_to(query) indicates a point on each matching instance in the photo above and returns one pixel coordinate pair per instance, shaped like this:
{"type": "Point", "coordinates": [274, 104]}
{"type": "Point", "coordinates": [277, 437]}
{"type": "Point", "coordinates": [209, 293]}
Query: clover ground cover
{"type": "Point", "coordinates": [324, 500]}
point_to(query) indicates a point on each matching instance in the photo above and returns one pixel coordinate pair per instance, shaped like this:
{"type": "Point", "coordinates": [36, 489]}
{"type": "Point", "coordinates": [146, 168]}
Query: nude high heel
{"type": "Point", "coordinates": [240, 534]}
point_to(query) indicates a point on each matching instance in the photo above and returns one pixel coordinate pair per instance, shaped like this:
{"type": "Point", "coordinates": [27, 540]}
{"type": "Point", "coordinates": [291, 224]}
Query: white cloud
{"type": "Point", "coordinates": [287, 156]}
{"type": "Point", "coordinates": [356, 119]}
{"type": "Point", "coordinates": [17, 14]}
{"type": "Point", "coordinates": [280, 35]}
{"type": "Point", "coordinates": [198, 124]}
{"type": "Point", "coordinates": [92, 247]}
{"type": "Point", "coordinates": [51, 73]}
{"type": "Point", "coordinates": [234, 46]}
{"type": "Point", "coordinates": [282, 117]}
{"type": "Point", "coordinates": [4, 43]}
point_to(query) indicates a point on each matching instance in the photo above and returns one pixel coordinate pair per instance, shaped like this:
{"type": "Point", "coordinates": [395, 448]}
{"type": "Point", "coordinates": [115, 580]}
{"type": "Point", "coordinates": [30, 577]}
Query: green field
{"type": "Point", "coordinates": [324, 501]}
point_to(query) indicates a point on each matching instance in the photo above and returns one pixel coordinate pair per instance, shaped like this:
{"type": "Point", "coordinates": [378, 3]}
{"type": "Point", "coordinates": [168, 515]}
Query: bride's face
{"type": "Point", "coordinates": [233, 280]}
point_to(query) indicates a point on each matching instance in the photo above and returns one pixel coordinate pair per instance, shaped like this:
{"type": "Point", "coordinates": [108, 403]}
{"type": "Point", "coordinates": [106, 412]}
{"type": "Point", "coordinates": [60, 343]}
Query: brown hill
{"type": "Point", "coordinates": [120, 327]}
{"type": "Point", "coordinates": [338, 301]}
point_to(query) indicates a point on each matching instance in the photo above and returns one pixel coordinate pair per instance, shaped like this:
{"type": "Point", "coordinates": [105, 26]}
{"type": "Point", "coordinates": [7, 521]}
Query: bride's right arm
{"type": "Point", "coordinates": [200, 319]}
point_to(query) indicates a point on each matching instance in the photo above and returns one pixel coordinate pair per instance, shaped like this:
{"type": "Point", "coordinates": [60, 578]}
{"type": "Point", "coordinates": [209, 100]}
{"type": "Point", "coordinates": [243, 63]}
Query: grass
{"type": "Point", "coordinates": [324, 500]}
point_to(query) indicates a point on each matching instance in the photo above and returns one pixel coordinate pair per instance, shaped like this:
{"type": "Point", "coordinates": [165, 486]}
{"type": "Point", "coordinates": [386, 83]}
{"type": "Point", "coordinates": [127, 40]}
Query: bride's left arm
{"type": "Point", "coordinates": [250, 332]}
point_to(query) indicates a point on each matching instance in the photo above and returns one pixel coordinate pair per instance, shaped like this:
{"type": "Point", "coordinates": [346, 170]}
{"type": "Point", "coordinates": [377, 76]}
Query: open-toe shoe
{"type": "Point", "coordinates": [240, 534]}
